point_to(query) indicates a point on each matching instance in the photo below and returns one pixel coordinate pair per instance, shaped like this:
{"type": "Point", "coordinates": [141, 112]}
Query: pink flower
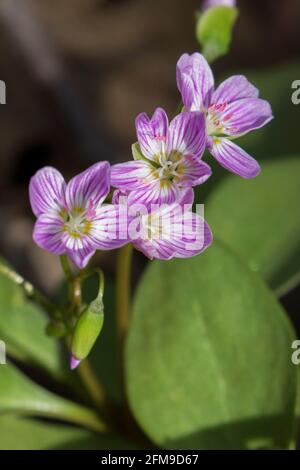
{"type": "Point", "coordinates": [71, 218]}
{"type": "Point", "coordinates": [231, 110]}
{"type": "Point", "coordinates": [170, 161]}
{"type": "Point", "coordinates": [165, 231]}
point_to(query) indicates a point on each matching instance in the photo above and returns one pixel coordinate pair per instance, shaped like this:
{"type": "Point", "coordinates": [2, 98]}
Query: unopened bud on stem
{"type": "Point", "coordinates": [86, 332]}
{"type": "Point", "coordinates": [88, 328]}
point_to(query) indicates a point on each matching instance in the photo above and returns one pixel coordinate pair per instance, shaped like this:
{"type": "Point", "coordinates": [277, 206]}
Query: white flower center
{"type": "Point", "coordinates": [168, 164]}
{"type": "Point", "coordinates": [76, 223]}
{"type": "Point", "coordinates": [168, 169]}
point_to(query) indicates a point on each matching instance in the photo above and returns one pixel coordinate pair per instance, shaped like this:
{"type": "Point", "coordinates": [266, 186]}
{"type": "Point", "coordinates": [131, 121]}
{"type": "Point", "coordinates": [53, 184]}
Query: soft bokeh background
{"type": "Point", "coordinates": [79, 71]}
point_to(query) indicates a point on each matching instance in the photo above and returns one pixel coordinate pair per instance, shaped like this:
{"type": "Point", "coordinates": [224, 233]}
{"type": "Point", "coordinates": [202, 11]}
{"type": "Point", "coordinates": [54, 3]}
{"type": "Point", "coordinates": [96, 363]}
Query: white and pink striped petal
{"type": "Point", "coordinates": [152, 132]}
{"type": "Point", "coordinates": [234, 158]}
{"type": "Point", "coordinates": [133, 175]}
{"type": "Point", "coordinates": [187, 134]}
{"type": "Point", "coordinates": [46, 191]}
{"type": "Point", "coordinates": [192, 171]}
{"type": "Point", "coordinates": [89, 188]}
{"type": "Point", "coordinates": [47, 233]}
{"type": "Point", "coordinates": [195, 81]}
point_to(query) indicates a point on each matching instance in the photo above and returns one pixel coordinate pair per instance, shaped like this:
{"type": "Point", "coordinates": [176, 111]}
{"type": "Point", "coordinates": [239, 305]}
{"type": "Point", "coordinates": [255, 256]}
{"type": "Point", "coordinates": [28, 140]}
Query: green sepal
{"type": "Point", "coordinates": [137, 153]}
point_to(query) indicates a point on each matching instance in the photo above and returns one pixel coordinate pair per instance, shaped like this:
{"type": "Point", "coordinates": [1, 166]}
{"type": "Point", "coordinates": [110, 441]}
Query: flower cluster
{"type": "Point", "coordinates": [153, 193]}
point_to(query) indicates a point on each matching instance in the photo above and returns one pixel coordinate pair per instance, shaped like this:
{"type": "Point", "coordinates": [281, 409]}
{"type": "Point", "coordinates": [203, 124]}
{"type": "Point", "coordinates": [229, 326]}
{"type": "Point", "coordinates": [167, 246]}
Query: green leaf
{"type": "Point", "coordinates": [260, 220]}
{"type": "Point", "coordinates": [19, 395]}
{"type": "Point", "coordinates": [27, 434]}
{"type": "Point", "coordinates": [22, 327]}
{"type": "Point", "coordinates": [214, 31]}
{"type": "Point", "coordinates": [208, 356]}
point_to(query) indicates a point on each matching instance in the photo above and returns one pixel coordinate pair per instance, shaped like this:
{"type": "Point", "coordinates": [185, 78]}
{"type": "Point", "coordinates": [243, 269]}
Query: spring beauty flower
{"type": "Point", "coordinates": [231, 110]}
{"type": "Point", "coordinates": [170, 161]}
{"type": "Point", "coordinates": [165, 231]}
{"type": "Point", "coordinates": [217, 3]}
{"type": "Point", "coordinates": [71, 218]}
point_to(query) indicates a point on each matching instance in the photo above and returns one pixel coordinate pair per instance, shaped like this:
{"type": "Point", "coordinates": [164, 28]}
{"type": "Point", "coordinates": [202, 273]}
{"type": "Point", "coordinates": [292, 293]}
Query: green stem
{"type": "Point", "coordinates": [74, 284]}
{"type": "Point", "coordinates": [124, 258]}
{"type": "Point", "coordinates": [64, 260]}
{"type": "Point", "coordinates": [85, 369]}
{"type": "Point", "coordinates": [90, 380]}
{"type": "Point", "coordinates": [30, 291]}
{"type": "Point", "coordinates": [89, 272]}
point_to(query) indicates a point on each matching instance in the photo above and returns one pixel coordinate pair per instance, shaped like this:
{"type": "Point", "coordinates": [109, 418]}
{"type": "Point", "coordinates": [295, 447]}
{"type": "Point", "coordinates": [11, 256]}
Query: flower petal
{"type": "Point", "coordinates": [46, 191]}
{"type": "Point", "coordinates": [187, 134]}
{"type": "Point", "coordinates": [186, 197]}
{"type": "Point", "coordinates": [119, 196]}
{"type": "Point", "coordinates": [192, 171]}
{"type": "Point", "coordinates": [245, 115]}
{"type": "Point", "coordinates": [175, 232]}
{"type": "Point", "coordinates": [47, 233]}
{"type": "Point", "coordinates": [163, 192]}
{"type": "Point", "coordinates": [234, 88]}
{"type": "Point", "coordinates": [192, 234]}
{"type": "Point", "coordinates": [154, 249]}
{"type": "Point", "coordinates": [136, 174]}
{"type": "Point", "coordinates": [234, 159]}
{"type": "Point", "coordinates": [81, 257]}
{"type": "Point", "coordinates": [152, 132]}
{"type": "Point", "coordinates": [89, 187]}
{"type": "Point", "coordinates": [195, 81]}
{"type": "Point", "coordinates": [79, 248]}
{"type": "Point", "coordinates": [110, 227]}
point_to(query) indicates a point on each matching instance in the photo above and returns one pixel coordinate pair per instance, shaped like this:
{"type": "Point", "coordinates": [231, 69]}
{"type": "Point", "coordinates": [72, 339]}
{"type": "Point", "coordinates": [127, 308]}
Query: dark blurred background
{"type": "Point", "coordinates": [78, 72]}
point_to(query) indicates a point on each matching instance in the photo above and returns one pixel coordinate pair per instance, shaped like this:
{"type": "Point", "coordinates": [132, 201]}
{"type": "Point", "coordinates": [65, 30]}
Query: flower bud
{"type": "Point", "coordinates": [216, 3]}
{"type": "Point", "coordinates": [86, 331]}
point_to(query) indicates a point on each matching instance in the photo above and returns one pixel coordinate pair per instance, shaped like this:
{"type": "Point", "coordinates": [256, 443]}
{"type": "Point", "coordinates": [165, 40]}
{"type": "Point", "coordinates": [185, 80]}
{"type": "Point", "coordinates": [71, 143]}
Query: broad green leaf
{"type": "Point", "coordinates": [260, 220]}
{"type": "Point", "coordinates": [20, 395]}
{"type": "Point", "coordinates": [27, 434]}
{"type": "Point", "coordinates": [22, 327]}
{"type": "Point", "coordinates": [208, 356]}
{"type": "Point", "coordinates": [214, 31]}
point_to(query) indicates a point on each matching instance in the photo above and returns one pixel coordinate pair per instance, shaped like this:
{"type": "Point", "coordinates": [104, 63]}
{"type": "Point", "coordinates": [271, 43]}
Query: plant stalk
{"type": "Point", "coordinates": [124, 259]}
